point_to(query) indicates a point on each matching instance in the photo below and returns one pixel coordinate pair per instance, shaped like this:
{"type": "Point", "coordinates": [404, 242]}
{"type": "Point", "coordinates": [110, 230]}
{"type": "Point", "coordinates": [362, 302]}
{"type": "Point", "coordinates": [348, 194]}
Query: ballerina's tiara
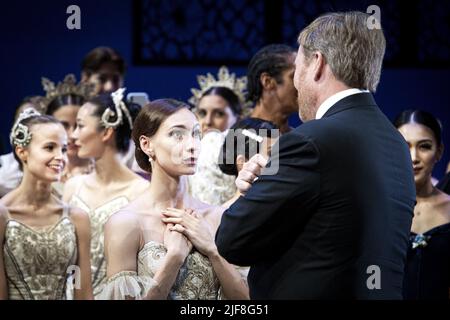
{"type": "Point", "coordinates": [67, 86]}
{"type": "Point", "coordinates": [20, 135]}
{"type": "Point", "coordinates": [121, 108]}
{"type": "Point", "coordinates": [224, 79]}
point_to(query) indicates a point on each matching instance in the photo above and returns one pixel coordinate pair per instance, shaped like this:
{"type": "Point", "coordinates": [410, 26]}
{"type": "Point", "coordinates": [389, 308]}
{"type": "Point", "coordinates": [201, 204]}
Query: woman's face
{"type": "Point", "coordinates": [67, 115]}
{"type": "Point", "coordinates": [106, 79]}
{"type": "Point", "coordinates": [425, 151]}
{"type": "Point", "coordinates": [46, 155]}
{"type": "Point", "coordinates": [285, 90]}
{"type": "Point", "coordinates": [87, 137]}
{"type": "Point", "coordinates": [214, 112]}
{"type": "Point", "coordinates": [176, 144]}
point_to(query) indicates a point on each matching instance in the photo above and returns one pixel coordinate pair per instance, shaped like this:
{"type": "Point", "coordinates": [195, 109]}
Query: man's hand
{"type": "Point", "coordinates": [250, 172]}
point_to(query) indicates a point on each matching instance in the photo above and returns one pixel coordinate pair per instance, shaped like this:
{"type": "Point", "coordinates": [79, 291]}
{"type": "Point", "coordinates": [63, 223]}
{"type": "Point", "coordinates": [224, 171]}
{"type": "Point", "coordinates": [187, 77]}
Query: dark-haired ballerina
{"type": "Point", "coordinates": [427, 273]}
{"type": "Point", "coordinates": [218, 104]}
{"type": "Point", "coordinates": [270, 85]}
{"type": "Point", "coordinates": [103, 132]}
{"type": "Point", "coordinates": [63, 101]}
{"type": "Point", "coordinates": [161, 246]}
{"type": "Point", "coordinates": [249, 136]}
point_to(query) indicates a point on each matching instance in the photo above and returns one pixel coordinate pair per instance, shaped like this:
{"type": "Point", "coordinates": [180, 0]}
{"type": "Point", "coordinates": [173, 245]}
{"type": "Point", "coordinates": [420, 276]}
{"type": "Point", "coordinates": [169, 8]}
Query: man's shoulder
{"type": "Point", "coordinates": [314, 130]}
{"type": "Point", "coordinates": [320, 134]}
{"type": "Point", "coordinates": [297, 143]}
{"type": "Point", "coordinates": [300, 135]}
{"type": "Point", "coordinates": [308, 127]}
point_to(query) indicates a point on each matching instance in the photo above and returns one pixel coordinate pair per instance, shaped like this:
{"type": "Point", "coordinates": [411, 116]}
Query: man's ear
{"type": "Point", "coordinates": [240, 160]}
{"type": "Point", "coordinates": [267, 82]}
{"type": "Point", "coordinates": [146, 145]}
{"type": "Point", "coordinates": [319, 65]}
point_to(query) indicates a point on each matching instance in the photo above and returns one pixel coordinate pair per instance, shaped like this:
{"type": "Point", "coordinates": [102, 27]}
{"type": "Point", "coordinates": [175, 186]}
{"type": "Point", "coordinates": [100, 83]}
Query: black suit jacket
{"type": "Point", "coordinates": [341, 203]}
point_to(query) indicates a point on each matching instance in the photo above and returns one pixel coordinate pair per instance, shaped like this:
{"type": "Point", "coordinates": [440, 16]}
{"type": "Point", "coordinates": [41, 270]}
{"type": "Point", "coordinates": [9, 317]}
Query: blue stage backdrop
{"type": "Point", "coordinates": [167, 43]}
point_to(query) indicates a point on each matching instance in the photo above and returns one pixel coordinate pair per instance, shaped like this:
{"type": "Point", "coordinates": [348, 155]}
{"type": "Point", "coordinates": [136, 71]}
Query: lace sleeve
{"type": "Point", "coordinates": [126, 285]}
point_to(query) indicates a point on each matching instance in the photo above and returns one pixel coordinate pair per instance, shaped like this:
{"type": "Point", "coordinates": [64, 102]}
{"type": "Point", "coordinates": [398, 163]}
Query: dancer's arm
{"type": "Point", "coordinates": [83, 231]}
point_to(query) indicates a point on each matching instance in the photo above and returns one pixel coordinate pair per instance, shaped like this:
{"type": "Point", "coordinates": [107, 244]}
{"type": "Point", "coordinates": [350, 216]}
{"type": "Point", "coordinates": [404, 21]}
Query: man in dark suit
{"type": "Point", "coordinates": [334, 221]}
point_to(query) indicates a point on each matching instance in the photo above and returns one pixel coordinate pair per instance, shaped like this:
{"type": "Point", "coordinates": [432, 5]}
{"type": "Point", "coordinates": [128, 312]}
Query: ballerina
{"type": "Point", "coordinates": [43, 238]}
{"type": "Point", "coordinates": [162, 244]}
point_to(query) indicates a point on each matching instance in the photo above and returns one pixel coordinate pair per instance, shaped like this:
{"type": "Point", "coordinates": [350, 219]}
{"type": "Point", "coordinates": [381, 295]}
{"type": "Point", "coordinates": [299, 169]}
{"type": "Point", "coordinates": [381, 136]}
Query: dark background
{"type": "Point", "coordinates": [167, 43]}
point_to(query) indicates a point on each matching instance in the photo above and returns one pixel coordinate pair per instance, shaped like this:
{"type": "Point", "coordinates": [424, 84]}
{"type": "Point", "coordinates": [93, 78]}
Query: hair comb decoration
{"type": "Point", "coordinates": [224, 79]}
{"type": "Point", "coordinates": [121, 108]}
{"type": "Point", "coordinates": [20, 135]}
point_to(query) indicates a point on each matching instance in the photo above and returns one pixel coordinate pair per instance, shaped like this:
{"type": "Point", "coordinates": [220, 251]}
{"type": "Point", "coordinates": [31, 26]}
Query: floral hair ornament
{"type": "Point", "coordinates": [224, 79]}
{"type": "Point", "coordinates": [20, 135]}
{"type": "Point", "coordinates": [121, 108]}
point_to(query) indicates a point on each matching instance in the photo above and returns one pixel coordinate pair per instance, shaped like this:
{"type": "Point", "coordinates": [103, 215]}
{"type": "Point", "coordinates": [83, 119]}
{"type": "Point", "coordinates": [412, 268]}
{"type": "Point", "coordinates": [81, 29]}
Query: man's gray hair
{"type": "Point", "coordinates": [352, 50]}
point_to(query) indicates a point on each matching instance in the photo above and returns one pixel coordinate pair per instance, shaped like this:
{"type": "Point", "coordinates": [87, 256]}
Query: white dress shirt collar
{"type": "Point", "coordinates": [331, 101]}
